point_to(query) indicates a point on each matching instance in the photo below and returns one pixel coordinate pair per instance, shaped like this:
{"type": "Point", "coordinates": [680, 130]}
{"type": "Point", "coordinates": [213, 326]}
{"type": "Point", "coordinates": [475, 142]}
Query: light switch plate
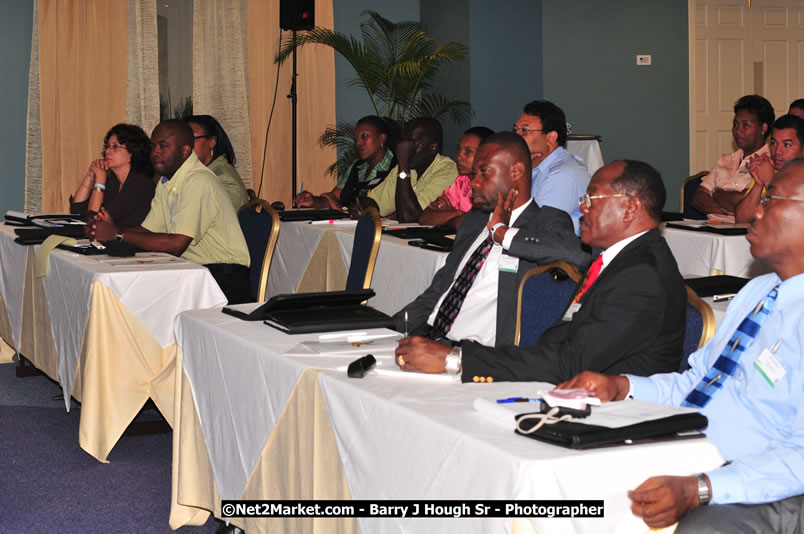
{"type": "Point", "coordinates": [643, 59]}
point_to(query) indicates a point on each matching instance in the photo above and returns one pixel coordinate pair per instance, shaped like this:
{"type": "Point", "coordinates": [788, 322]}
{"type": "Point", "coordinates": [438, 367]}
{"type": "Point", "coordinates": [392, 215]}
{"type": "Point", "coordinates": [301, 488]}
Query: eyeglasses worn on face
{"type": "Point", "coordinates": [763, 200]}
{"type": "Point", "coordinates": [202, 136]}
{"type": "Point", "coordinates": [113, 147]}
{"type": "Point", "coordinates": [587, 198]}
{"type": "Point", "coordinates": [524, 131]}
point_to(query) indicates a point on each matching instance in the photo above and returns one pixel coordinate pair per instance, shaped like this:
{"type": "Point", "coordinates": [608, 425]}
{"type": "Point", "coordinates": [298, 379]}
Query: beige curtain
{"type": "Point", "coordinates": [316, 104]}
{"type": "Point", "coordinates": [142, 92]}
{"type": "Point", "coordinates": [82, 88]}
{"type": "Point", "coordinates": [220, 81]}
{"type": "Point", "coordinates": [33, 136]}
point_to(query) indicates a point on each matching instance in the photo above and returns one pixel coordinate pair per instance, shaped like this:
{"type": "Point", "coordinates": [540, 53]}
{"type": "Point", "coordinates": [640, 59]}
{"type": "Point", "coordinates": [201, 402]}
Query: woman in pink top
{"type": "Point", "coordinates": [730, 180]}
{"type": "Point", "coordinates": [448, 209]}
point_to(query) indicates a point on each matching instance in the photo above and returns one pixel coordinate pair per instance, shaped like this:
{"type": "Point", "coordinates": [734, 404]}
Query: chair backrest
{"type": "Point", "coordinates": [700, 326]}
{"type": "Point", "coordinates": [688, 188]}
{"type": "Point", "coordinates": [544, 294]}
{"type": "Point", "coordinates": [260, 226]}
{"type": "Point", "coordinates": [364, 250]}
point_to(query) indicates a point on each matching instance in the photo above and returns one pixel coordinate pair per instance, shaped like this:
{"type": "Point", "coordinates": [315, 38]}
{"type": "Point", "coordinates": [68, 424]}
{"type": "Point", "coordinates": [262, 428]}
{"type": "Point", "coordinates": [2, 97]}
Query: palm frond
{"type": "Point", "coordinates": [434, 105]}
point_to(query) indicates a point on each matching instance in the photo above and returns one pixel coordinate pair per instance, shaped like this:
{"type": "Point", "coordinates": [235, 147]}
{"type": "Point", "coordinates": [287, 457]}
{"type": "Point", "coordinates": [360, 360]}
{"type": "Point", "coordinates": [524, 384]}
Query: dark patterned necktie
{"type": "Point", "coordinates": [452, 303]}
{"type": "Point", "coordinates": [726, 363]}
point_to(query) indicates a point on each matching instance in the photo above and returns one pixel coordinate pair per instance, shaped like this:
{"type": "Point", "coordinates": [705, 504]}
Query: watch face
{"type": "Point", "coordinates": [403, 175]}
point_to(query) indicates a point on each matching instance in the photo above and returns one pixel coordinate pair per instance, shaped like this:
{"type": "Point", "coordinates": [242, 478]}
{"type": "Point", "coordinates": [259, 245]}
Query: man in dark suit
{"type": "Point", "coordinates": [537, 235]}
{"type": "Point", "coordinates": [628, 311]}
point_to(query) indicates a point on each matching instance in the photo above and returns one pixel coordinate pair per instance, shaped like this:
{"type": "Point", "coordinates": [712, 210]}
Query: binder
{"type": "Point", "coordinates": [311, 215]}
{"type": "Point", "coordinates": [328, 311]}
{"type": "Point", "coordinates": [582, 436]}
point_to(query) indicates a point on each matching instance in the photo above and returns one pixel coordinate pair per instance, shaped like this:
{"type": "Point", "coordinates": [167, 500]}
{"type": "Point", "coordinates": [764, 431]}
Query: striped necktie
{"type": "Point", "coordinates": [452, 303]}
{"type": "Point", "coordinates": [726, 363]}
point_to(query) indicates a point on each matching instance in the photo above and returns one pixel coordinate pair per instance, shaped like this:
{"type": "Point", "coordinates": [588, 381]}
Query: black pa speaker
{"type": "Point", "coordinates": [296, 14]}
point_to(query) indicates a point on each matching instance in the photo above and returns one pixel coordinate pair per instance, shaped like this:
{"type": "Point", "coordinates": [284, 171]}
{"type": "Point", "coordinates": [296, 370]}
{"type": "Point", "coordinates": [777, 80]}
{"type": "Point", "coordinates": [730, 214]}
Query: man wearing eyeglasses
{"type": "Point", "coordinates": [558, 178]}
{"type": "Point", "coordinates": [749, 383]}
{"type": "Point", "coordinates": [628, 312]}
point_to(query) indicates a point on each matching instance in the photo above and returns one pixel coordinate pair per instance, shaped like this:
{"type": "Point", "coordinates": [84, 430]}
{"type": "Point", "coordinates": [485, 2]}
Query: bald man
{"type": "Point", "coordinates": [421, 175]}
{"type": "Point", "coordinates": [523, 235]}
{"type": "Point", "coordinates": [191, 215]}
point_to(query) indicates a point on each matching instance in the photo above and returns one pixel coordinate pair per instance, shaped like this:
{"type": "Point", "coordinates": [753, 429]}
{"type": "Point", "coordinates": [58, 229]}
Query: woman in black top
{"type": "Point", "coordinates": [121, 181]}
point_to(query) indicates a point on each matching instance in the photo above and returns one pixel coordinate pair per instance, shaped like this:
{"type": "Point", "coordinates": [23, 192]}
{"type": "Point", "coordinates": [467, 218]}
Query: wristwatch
{"type": "Point", "coordinates": [703, 489]}
{"type": "Point", "coordinates": [403, 175]}
{"type": "Point", "coordinates": [453, 361]}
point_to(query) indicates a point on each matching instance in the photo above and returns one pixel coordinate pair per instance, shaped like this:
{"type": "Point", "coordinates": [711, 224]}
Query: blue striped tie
{"type": "Point", "coordinates": [726, 363]}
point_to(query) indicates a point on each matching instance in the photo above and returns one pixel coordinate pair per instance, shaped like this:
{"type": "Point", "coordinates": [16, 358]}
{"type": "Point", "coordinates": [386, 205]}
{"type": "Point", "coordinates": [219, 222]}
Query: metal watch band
{"type": "Point", "coordinates": [453, 361]}
{"type": "Point", "coordinates": [703, 489]}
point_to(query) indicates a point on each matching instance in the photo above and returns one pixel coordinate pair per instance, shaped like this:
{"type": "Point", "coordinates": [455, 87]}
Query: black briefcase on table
{"type": "Point", "coordinates": [708, 286]}
{"type": "Point", "coordinates": [306, 313]}
{"type": "Point", "coordinates": [582, 436]}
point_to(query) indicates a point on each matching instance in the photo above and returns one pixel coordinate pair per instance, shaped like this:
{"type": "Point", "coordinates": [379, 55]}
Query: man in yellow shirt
{"type": "Point", "coordinates": [421, 175]}
{"type": "Point", "coordinates": [191, 215]}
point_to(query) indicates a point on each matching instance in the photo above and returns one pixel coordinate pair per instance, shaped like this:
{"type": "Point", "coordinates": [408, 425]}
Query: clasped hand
{"type": "Point", "coordinates": [421, 354]}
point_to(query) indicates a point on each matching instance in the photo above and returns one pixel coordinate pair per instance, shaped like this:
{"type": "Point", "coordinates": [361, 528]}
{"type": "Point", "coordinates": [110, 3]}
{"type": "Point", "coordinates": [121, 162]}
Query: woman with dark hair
{"type": "Point", "coordinates": [122, 181]}
{"type": "Point", "coordinates": [450, 207]}
{"type": "Point", "coordinates": [726, 185]}
{"type": "Point", "coordinates": [213, 148]}
{"type": "Point", "coordinates": [373, 138]}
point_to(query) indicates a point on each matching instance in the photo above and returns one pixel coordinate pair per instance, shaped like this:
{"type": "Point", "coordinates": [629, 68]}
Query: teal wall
{"type": "Point", "coordinates": [16, 26]}
{"type": "Point", "coordinates": [590, 71]}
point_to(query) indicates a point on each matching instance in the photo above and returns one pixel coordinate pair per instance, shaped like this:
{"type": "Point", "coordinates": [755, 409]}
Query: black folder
{"type": "Point", "coordinates": [710, 229]}
{"type": "Point", "coordinates": [708, 286]}
{"type": "Point", "coordinates": [329, 311]}
{"type": "Point", "coordinates": [311, 215]}
{"type": "Point", "coordinates": [581, 436]}
{"type": "Point", "coordinates": [36, 236]}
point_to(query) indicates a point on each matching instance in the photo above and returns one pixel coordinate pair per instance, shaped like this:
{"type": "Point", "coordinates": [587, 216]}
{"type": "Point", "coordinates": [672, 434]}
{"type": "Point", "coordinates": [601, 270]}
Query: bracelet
{"type": "Point", "coordinates": [494, 229]}
{"type": "Point", "coordinates": [100, 187]}
{"type": "Point", "coordinates": [703, 489]}
{"type": "Point", "coordinates": [453, 362]}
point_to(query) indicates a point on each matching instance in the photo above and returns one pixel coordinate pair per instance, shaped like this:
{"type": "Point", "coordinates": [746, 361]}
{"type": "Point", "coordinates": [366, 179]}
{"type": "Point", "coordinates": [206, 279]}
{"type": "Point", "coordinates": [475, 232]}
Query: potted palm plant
{"type": "Point", "coordinates": [395, 63]}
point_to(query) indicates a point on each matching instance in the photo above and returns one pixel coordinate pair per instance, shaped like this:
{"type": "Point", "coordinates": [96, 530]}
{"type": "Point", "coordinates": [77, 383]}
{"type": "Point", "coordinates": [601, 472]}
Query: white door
{"type": "Point", "coordinates": [737, 50]}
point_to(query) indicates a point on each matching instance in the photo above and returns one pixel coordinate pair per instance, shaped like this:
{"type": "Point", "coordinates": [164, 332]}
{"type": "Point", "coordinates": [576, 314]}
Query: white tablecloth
{"type": "Point", "coordinates": [706, 254]}
{"type": "Point", "coordinates": [154, 287]}
{"type": "Point", "coordinates": [401, 274]}
{"type": "Point", "coordinates": [589, 150]}
{"type": "Point", "coordinates": [12, 276]}
{"type": "Point", "coordinates": [405, 437]}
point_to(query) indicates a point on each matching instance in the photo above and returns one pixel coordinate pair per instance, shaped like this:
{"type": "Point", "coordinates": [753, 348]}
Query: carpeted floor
{"type": "Point", "coordinates": [51, 485]}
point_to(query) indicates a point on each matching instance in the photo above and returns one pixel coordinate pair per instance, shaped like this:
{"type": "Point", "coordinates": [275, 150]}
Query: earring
{"type": "Point", "coordinates": [211, 152]}
{"type": "Point", "coordinates": [382, 145]}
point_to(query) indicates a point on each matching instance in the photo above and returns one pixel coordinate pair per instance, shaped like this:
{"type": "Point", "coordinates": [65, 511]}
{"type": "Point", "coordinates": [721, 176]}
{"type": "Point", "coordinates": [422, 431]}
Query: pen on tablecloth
{"type": "Point", "coordinates": [720, 298]}
{"type": "Point", "coordinates": [517, 399]}
{"type": "Point", "coordinates": [406, 324]}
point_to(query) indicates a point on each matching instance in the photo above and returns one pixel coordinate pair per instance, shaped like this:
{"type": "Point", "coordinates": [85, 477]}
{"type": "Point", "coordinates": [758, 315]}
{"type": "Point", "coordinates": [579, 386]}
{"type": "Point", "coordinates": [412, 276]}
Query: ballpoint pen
{"type": "Point", "coordinates": [517, 399]}
{"type": "Point", "coordinates": [406, 324]}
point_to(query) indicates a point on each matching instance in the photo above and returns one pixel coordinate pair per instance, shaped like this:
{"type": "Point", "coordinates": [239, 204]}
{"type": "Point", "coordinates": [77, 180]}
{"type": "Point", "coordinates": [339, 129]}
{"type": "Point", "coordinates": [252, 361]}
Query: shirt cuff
{"type": "Point", "coordinates": [642, 388]}
{"type": "Point", "coordinates": [509, 237]}
{"type": "Point", "coordinates": [726, 486]}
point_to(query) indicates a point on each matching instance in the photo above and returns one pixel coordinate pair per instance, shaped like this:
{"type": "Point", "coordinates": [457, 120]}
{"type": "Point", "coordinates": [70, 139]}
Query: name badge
{"type": "Point", "coordinates": [770, 368]}
{"type": "Point", "coordinates": [573, 308]}
{"type": "Point", "coordinates": [509, 264]}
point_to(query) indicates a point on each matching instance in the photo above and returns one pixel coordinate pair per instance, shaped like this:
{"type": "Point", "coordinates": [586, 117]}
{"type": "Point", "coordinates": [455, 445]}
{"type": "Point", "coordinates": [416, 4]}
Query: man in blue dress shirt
{"type": "Point", "coordinates": [558, 178]}
{"type": "Point", "coordinates": [753, 395]}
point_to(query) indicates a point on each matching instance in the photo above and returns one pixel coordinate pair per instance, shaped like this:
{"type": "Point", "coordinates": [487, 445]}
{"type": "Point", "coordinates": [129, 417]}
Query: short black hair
{"type": "Point", "coordinates": [759, 107]}
{"type": "Point", "coordinates": [431, 129]}
{"type": "Point", "coordinates": [481, 132]}
{"type": "Point", "coordinates": [791, 121]}
{"type": "Point", "coordinates": [513, 143]}
{"type": "Point", "coordinates": [644, 182]}
{"type": "Point", "coordinates": [137, 143]}
{"type": "Point", "coordinates": [797, 103]}
{"type": "Point", "coordinates": [553, 118]}
{"type": "Point", "coordinates": [211, 126]}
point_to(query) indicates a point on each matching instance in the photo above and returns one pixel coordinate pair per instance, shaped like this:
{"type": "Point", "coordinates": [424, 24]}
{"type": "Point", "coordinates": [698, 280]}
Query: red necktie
{"type": "Point", "coordinates": [591, 276]}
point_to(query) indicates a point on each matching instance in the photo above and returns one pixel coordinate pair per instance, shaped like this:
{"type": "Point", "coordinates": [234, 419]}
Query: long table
{"type": "Point", "coordinates": [103, 328]}
{"type": "Point", "coordinates": [251, 423]}
{"type": "Point", "coordinates": [708, 254]}
{"type": "Point", "coordinates": [314, 257]}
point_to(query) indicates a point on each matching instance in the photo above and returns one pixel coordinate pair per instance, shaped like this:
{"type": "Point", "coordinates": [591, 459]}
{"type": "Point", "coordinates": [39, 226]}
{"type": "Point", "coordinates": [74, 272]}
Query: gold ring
{"type": "Point", "coordinates": [400, 360]}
